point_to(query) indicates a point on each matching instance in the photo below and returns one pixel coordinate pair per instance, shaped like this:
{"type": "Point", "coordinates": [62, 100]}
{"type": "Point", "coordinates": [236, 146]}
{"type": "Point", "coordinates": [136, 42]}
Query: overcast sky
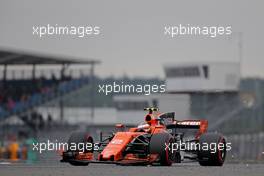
{"type": "Point", "coordinates": [132, 39]}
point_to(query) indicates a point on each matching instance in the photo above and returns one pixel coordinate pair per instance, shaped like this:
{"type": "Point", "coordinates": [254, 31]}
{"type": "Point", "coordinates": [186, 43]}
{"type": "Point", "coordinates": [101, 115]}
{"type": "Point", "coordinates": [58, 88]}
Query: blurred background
{"type": "Point", "coordinates": [49, 85]}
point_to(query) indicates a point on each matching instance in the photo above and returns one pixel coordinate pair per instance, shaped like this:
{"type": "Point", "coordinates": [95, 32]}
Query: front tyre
{"type": "Point", "coordinates": [77, 138]}
{"type": "Point", "coordinates": [158, 143]}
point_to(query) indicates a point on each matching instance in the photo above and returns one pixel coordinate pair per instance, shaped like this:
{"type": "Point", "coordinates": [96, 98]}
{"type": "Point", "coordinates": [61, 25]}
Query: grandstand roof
{"type": "Point", "coordinates": [23, 58]}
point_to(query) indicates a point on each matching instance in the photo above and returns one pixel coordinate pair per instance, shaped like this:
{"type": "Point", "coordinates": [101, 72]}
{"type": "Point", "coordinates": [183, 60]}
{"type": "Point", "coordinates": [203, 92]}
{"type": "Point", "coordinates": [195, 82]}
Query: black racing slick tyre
{"type": "Point", "coordinates": [215, 152]}
{"type": "Point", "coordinates": [78, 163]}
{"type": "Point", "coordinates": [159, 145]}
{"type": "Point", "coordinates": [79, 138]}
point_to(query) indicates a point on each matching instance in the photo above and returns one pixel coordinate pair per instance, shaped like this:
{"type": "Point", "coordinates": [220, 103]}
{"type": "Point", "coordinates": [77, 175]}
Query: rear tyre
{"type": "Point", "coordinates": [158, 143]}
{"type": "Point", "coordinates": [216, 153]}
{"type": "Point", "coordinates": [77, 138]}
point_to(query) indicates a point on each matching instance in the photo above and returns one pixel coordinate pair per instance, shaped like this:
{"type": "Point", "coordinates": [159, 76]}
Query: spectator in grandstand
{"type": "Point", "coordinates": [2, 111]}
{"type": "Point", "coordinates": [23, 98]}
{"type": "Point", "coordinates": [10, 103]}
{"type": "Point", "coordinates": [1, 98]}
{"type": "Point", "coordinates": [45, 90]}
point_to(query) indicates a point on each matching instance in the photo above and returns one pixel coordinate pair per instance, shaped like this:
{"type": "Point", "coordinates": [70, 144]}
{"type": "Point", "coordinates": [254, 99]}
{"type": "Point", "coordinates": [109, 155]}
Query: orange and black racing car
{"type": "Point", "coordinates": [159, 140]}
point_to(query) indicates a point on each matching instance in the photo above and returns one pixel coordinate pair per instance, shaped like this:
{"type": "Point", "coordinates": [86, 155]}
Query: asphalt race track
{"type": "Point", "coordinates": [188, 169]}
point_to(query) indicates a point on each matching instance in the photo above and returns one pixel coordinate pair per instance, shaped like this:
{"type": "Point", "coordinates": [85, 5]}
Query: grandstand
{"type": "Point", "coordinates": [20, 95]}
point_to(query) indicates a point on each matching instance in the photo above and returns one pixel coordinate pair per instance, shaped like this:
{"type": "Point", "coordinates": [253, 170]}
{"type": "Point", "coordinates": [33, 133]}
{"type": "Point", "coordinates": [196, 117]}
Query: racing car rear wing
{"type": "Point", "coordinates": [201, 125]}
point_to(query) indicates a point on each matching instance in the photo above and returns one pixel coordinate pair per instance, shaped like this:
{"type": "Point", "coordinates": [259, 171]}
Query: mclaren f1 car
{"type": "Point", "coordinates": [159, 140]}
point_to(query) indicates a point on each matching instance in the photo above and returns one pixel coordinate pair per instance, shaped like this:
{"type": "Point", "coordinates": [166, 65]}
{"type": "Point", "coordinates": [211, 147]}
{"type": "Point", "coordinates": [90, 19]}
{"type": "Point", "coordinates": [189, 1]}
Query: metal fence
{"type": "Point", "coordinates": [246, 147]}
